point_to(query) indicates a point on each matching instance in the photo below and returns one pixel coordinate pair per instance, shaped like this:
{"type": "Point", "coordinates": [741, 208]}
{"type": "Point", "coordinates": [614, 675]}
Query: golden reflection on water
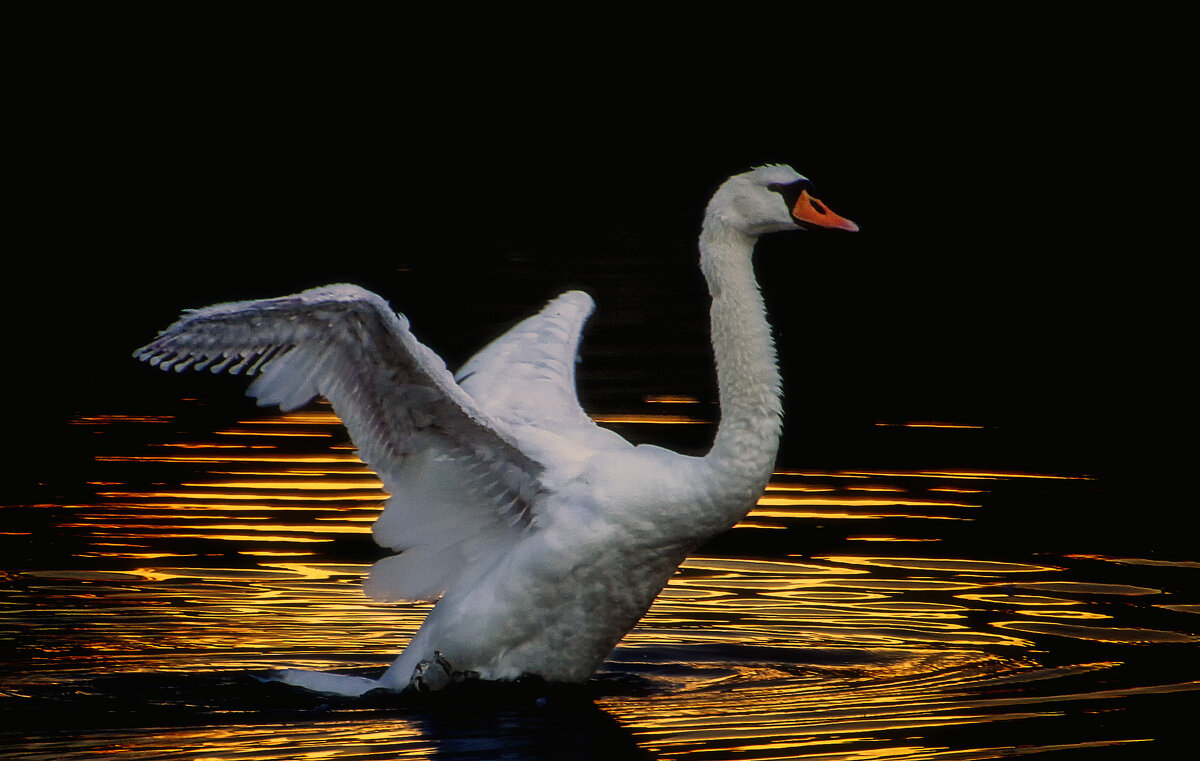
{"type": "Point", "coordinates": [831, 655]}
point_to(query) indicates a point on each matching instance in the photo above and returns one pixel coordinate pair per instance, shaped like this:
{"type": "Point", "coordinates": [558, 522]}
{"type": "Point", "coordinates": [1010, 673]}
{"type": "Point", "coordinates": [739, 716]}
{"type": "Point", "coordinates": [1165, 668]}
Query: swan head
{"type": "Point", "coordinates": [772, 199]}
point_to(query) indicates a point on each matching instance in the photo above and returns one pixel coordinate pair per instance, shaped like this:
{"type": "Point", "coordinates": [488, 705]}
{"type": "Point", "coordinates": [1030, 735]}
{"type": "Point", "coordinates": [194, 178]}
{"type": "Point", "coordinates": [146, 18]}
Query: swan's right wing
{"type": "Point", "coordinates": [461, 484]}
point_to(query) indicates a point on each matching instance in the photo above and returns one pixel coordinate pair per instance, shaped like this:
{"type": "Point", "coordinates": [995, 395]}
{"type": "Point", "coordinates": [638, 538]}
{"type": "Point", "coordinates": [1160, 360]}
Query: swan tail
{"type": "Point", "coordinates": [323, 682]}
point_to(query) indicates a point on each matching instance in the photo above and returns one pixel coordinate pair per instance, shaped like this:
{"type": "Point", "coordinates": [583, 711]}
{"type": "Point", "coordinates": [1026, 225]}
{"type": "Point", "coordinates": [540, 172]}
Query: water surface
{"type": "Point", "coordinates": [851, 615]}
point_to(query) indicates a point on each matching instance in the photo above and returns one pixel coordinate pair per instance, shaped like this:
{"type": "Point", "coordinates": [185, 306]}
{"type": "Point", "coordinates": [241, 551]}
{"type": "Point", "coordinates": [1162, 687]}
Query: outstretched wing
{"type": "Point", "coordinates": [527, 375]}
{"type": "Point", "coordinates": [455, 473]}
{"type": "Point", "coordinates": [525, 380]}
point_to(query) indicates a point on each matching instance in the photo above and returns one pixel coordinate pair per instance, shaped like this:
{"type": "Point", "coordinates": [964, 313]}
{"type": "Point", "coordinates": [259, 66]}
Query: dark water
{"type": "Point", "coordinates": [856, 613]}
{"type": "Point", "coordinates": [949, 563]}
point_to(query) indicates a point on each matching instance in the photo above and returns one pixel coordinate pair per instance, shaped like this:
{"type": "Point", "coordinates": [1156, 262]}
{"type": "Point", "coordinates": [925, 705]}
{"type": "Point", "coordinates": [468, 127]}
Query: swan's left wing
{"type": "Point", "coordinates": [527, 375]}
{"type": "Point", "coordinates": [394, 395]}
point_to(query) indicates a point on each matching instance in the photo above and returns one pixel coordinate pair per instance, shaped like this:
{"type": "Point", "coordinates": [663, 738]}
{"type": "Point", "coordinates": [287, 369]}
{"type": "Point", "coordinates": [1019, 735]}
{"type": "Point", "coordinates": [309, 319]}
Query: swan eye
{"type": "Point", "coordinates": [791, 191]}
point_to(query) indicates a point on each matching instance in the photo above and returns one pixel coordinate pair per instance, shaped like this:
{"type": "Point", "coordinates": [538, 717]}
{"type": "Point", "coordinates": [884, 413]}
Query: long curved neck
{"type": "Point", "coordinates": [743, 453]}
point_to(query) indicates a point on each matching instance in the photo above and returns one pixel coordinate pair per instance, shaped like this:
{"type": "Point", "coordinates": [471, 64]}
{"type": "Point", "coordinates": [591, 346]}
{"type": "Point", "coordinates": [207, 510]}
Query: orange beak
{"type": "Point", "coordinates": [810, 211]}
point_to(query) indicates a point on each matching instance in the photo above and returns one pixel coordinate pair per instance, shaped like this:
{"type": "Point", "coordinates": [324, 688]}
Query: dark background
{"type": "Point", "coordinates": [1011, 270]}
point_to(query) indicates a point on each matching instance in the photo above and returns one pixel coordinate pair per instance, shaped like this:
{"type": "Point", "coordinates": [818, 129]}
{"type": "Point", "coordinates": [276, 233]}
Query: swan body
{"type": "Point", "coordinates": [543, 536]}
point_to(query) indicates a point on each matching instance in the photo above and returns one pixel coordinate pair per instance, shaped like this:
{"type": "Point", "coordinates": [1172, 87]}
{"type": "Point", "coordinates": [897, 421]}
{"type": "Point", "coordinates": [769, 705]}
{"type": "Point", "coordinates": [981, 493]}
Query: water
{"type": "Point", "coordinates": [137, 617]}
{"type": "Point", "coordinates": [966, 586]}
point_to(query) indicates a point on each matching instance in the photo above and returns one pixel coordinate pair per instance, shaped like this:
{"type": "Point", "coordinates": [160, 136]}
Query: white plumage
{"type": "Point", "coordinates": [543, 536]}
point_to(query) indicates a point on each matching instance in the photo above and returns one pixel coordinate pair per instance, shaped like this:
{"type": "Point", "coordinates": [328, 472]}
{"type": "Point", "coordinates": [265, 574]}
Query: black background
{"type": "Point", "coordinates": [1012, 268]}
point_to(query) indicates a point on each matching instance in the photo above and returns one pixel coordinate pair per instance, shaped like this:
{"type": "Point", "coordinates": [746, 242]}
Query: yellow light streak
{"type": "Point", "coordinates": [891, 539]}
{"type": "Point", "coordinates": [241, 496]}
{"type": "Point", "coordinates": [1096, 633]}
{"type": "Point", "coordinates": [299, 485]}
{"type": "Point", "coordinates": [312, 417]}
{"type": "Point", "coordinates": [964, 474]}
{"type": "Point", "coordinates": [954, 565]}
{"type": "Point", "coordinates": [344, 526]}
{"type": "Point", "coordinates": [290, 434]}
{"type": "Point", "coordinates": [769, 500]}
{"type": "Point", "coordinates": [649, 419]}
{"type": "Point", "coordinates": [111, 419]}
{"type": "Point", "coordinates": [224, 457]}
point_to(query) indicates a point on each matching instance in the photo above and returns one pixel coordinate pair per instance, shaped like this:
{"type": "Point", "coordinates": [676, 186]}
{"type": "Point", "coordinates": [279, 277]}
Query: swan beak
{"type": "Point", "coordinates": [809, 211]}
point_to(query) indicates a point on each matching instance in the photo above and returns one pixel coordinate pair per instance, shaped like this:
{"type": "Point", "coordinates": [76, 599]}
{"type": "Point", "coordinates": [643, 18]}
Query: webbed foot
{"type": "Point", "coordinates": [430, 676]}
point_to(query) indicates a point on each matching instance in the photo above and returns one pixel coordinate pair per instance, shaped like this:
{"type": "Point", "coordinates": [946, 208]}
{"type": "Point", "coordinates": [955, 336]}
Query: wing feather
{"type": "Point", "coordinates": [527, 376]}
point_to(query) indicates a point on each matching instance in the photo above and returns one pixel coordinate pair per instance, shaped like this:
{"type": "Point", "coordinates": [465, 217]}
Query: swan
{"type": "Point", "coordinates": [543, 537]}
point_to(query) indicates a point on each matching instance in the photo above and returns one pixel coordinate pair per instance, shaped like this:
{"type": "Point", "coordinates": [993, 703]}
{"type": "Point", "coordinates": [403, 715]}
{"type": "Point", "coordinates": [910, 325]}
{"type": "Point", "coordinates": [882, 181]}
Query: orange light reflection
{"type": "Point", "coordinates": [646, 418]}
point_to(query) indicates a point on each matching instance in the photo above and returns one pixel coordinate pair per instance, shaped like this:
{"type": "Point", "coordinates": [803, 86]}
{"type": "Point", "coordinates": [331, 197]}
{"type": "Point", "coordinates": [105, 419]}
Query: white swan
{"type": "Point", "coordinates": [543, 536]}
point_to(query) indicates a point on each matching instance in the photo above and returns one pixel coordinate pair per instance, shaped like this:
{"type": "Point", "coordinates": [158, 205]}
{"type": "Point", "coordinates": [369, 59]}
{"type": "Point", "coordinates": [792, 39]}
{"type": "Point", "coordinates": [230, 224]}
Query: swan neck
{"type": "Point", "coordinates": [743, 454]}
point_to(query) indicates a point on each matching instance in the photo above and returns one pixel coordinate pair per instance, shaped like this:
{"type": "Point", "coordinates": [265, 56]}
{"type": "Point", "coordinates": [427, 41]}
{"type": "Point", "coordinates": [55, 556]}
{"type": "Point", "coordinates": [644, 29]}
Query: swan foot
{"type": "Point", "coordinates": [430, 676]}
